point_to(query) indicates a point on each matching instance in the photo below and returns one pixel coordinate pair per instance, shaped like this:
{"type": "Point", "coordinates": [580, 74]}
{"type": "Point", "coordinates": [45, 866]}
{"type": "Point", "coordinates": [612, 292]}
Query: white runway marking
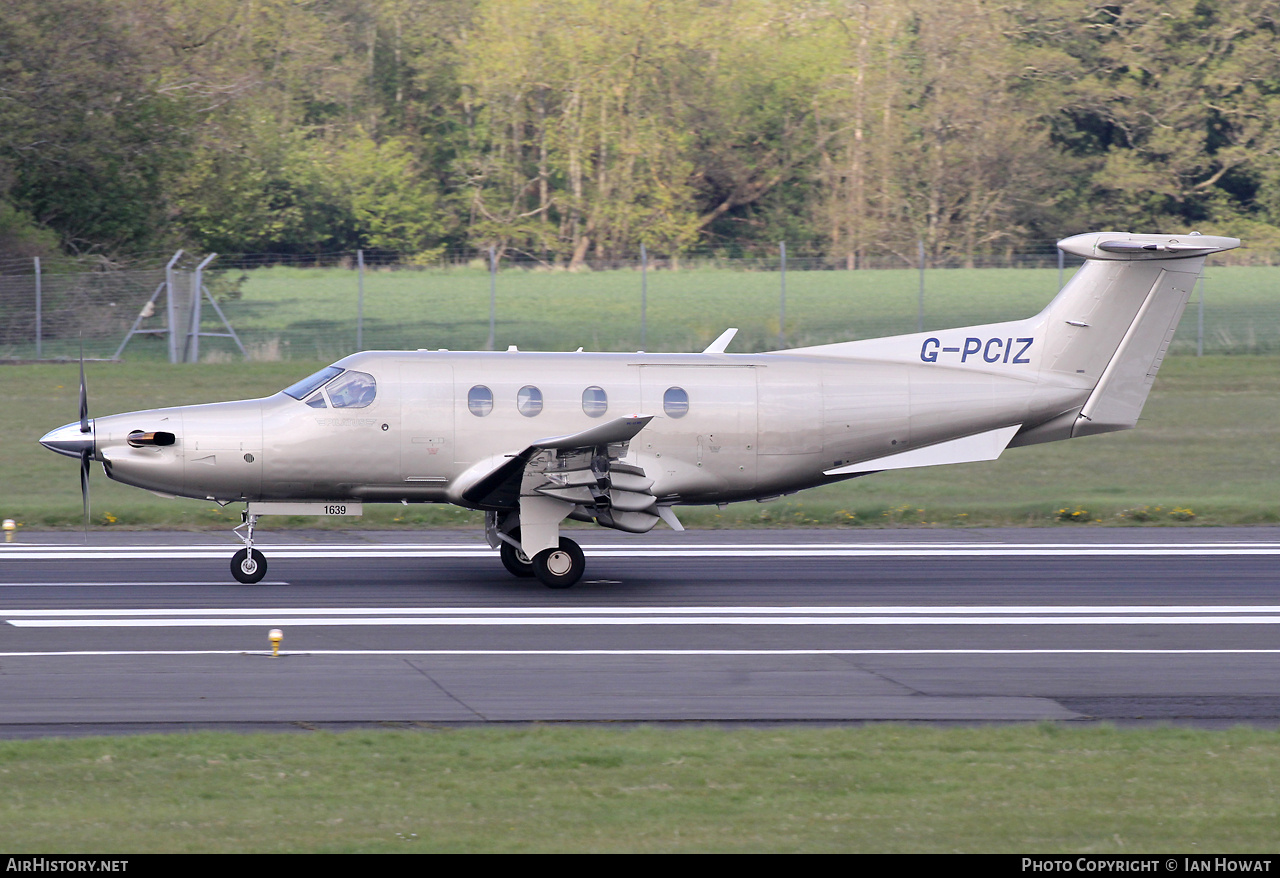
{"type": "Point", "coordinates": [664, 550]}
{"type": "Point", "coordinates": [220, 583]}
{"type": "Point", "coordinates": [653, 616]}
{"type": "Point", "coordinates": [649, 611]}
{"type": "Point", "coordinates": [639, 652]}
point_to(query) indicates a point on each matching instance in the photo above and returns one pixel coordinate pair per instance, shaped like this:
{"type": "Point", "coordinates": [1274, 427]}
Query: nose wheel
{"type": "Point", "coordinates": [248, 566]}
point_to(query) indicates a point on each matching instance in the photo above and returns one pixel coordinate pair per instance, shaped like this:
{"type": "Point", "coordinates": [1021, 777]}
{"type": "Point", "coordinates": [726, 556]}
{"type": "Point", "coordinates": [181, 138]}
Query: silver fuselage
{"type": "Point", "coordinates": [755, 426]}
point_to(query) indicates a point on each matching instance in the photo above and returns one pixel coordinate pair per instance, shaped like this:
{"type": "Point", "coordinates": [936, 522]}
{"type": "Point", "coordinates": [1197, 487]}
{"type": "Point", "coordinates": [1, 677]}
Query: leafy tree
{"type": "Point", "coordinates": [90, 130]}
{"type": "Point", "coordinates": [1176, 103]}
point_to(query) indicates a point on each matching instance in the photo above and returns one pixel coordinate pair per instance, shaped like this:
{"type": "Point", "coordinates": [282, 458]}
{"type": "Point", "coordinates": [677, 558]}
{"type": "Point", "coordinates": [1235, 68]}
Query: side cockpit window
{"type": "Point", "coordinates": [353, 390]}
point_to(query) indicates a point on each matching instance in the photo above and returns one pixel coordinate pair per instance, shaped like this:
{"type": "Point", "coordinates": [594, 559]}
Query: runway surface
{"type": "Point", "coordinates": [139, 631]}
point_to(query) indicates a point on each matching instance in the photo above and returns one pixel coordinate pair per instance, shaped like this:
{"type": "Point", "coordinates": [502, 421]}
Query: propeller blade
{"type": "Point", "coordinates": [85, 457]}
{"type": "Point", "coordinates": [86, 454]}
{"type": "Point", "coordinates": [84, 394]}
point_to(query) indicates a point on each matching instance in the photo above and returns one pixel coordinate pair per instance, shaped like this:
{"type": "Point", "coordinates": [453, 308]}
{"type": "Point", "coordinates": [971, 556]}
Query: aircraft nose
{"type": "Point", "coordinates": [68, 440]}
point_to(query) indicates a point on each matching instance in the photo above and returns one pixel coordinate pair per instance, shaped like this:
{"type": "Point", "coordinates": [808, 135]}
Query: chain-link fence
{"type": "Point", "coordinates": [45, 316]}
{"type": "Point", "coordinates": [323, 307]}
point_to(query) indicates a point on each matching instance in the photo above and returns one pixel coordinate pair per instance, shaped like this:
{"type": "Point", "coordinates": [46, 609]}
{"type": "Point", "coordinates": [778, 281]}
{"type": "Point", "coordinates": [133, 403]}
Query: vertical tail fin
{"type": "Point", "coordinates": [1117, 316]}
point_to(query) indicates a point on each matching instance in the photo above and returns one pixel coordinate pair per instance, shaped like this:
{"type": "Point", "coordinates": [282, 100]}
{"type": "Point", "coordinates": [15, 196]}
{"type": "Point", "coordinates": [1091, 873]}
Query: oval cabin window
{"type": "Point", "coordinates": [675, 402]}
{"type": "Point", "coordinates": [480, 400]}
{"type": "Point", "coordinates": [594, 402]}
{"type": "Point", "coordinates": [529, 400]}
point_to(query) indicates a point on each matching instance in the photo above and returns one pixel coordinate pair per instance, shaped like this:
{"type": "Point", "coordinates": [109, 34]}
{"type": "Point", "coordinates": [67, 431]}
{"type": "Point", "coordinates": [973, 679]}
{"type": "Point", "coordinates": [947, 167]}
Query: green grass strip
{"type": "Point", "coordinates": [883, 788]}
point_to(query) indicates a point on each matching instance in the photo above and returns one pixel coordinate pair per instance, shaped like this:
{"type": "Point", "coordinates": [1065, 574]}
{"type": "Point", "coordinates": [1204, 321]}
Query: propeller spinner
{"type": "Point", "coordinates": [77, 440]}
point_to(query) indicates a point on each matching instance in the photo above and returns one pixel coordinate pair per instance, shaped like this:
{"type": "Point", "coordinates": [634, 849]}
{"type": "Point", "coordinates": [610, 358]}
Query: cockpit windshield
{"type": "Point", "coordinates": [311, 382]}
{"type": "Point", "coordinates": [345, 390]}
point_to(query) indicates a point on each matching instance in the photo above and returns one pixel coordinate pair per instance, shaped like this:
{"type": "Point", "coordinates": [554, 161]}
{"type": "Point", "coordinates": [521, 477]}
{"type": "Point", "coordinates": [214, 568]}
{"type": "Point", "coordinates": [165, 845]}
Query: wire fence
{"type": "Point", "coordinates": [325, 306]}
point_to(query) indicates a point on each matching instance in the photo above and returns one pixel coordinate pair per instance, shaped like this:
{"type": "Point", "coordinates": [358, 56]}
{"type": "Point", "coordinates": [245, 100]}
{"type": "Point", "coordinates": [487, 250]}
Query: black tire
{"type": "Point", "coordinates": [561, 567]}
{"type": "Point", "coordinates": [248, 566]}
{"type": "Point", "coordinates": [516, 561]}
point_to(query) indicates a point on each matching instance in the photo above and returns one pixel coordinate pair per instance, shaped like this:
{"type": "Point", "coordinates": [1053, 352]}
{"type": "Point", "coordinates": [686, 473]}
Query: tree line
{"type": "Point", "coordinates": [567, 130]}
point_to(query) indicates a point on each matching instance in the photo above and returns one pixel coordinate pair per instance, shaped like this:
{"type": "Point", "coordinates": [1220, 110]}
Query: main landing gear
{"type": "Point", "coordinates": [248, 565]}
{"type": "Point", "coordinates": [558, 567]}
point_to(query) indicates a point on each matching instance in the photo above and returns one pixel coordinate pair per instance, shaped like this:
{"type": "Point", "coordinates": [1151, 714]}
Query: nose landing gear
{"type": "Point", "coordinates": [248, 565]}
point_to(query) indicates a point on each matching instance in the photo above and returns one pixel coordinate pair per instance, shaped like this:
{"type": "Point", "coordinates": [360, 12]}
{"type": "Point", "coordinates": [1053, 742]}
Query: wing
{"type": "Point", "coordinates": [580, 470]}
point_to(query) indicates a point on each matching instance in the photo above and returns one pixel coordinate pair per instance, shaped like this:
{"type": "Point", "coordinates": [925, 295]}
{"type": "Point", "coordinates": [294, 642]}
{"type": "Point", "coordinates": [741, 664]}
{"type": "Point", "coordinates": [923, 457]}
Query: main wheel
{"type": "Point", "coordinates": [560, 567]}
{"type": "Point", "coordinates": [516, 561]}
{"type": "Point", "coordinates": [248, 566]}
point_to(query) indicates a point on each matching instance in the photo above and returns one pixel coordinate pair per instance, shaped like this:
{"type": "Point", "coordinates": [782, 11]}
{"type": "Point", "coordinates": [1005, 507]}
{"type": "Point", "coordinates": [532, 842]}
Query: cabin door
{"type": "Point", "coordinates": [426, 408]}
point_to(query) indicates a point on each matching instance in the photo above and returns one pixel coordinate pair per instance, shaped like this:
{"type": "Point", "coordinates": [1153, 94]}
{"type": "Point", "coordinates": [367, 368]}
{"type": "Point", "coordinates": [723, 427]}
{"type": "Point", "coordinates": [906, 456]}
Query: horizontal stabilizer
{"type": "Point", "coordinates": [980, 446]}
{"type": "Point", "coordinates": [1125, 246]}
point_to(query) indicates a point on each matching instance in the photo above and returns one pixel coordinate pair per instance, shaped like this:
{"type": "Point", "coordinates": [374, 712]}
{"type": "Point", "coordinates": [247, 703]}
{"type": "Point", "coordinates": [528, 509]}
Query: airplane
{"type": "Point", "coordinates": [622, 439]}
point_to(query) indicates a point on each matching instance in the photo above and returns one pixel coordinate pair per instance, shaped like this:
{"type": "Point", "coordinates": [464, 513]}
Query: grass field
{"type": "Point", "coordinates": [1042, 789]}
{"type": "Point", "coordinates": [1208, 445]}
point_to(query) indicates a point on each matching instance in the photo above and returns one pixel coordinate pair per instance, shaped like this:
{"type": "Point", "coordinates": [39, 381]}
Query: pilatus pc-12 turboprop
{"type": "Point", "coordinates": [622, 439]}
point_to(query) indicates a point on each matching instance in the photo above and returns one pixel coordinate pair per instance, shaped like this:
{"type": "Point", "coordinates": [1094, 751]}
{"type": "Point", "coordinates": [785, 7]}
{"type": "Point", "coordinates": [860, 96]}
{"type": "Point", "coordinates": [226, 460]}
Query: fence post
{"type": "Point", "coordinates": [197, 287]}
{"type": "Point", "coordinates": [644, 297]}
{"type": "Point", "coordinates": [360, 302]}
{"type": "Point", "coordinates": [493, 295]}
{"type": "Point", "coordinates": [782, 304]}
{"type": "Point", "coordinates": [39, 332]}
{"type": "Point", "coordinates": [170, 314]}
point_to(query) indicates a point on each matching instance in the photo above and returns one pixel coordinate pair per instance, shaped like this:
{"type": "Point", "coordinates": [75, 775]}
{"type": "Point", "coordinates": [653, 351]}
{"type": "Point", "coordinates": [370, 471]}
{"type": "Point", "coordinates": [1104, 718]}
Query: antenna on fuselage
{"type": "Point", "coordinates": [718, 346]}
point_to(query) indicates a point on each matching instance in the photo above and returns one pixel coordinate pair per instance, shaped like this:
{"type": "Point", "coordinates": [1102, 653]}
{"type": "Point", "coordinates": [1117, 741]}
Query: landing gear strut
{"type": "Point", "coordinates": [248, 565]}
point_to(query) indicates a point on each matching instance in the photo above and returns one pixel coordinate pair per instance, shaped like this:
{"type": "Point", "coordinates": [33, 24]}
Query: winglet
{"type": "Point", "coordinates": [718, 346]}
